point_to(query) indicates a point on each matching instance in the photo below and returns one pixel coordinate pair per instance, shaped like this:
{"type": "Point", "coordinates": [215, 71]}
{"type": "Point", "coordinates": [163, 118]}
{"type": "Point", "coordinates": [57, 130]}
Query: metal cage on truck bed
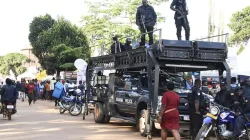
{"type": "Point", "coordinates": [168, 53]}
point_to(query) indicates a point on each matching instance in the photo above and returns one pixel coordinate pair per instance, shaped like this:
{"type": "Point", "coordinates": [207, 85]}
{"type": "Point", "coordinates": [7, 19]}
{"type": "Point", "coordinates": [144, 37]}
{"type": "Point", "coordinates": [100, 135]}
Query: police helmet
{"type": "Point", "coordinates": [128, 40]}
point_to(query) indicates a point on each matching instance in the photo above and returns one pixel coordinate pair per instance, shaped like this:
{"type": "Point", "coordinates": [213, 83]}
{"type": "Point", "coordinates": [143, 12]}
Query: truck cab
{"type": "Point", "coordinates": [135, 82]}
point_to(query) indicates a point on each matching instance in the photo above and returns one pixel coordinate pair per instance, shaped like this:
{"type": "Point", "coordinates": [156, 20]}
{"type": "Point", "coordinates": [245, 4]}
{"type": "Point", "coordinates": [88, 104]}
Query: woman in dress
{"type": "Point", "coordinates": [169, 116]}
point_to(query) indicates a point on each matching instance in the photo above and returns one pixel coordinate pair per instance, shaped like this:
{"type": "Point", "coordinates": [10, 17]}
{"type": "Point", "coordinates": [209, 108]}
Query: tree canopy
{"type": "Point", "coordinates": [13, 62]}
{"type": "Point", "coordinates": [240, 25]}
{"type": "Point", "coordinates": [57, 43]}
{"type": "Point", "coordinates": [108, 18]}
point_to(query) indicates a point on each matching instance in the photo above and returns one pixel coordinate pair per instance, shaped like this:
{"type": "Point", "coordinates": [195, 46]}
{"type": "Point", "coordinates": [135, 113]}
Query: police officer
{"type": "Point", "coordinates": [221, 96]}
{"type": "Point", "coordinates": [146, 20]}
{"type": "Point", "coordinates": [246, 88]}
{"type": "Point", "coordinates": [196, 100]}
{"type": "Point", "coordinates": [116, 47]}
{"type": "Point", "coordinates": [181, 12]}
{"type": "Point", "coordinates": [242, 108]}
{"type": "Point", "coordinates": [204, 87]}
{"type": "Point", "coordinates": [127, 45]}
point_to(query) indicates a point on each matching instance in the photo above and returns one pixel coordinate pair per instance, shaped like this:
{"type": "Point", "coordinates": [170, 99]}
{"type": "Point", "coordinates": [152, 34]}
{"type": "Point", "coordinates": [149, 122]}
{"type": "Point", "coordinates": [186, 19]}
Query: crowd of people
{"type": "Point", "coordinates": [34, 89]}
{"type": "Point", "coordinates": [238, 95]}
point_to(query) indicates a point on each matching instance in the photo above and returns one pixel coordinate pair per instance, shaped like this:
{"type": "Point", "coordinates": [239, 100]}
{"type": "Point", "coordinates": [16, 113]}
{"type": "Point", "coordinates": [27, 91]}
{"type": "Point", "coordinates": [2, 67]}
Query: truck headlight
{"type": "Point", "coordinates": [214, 110]}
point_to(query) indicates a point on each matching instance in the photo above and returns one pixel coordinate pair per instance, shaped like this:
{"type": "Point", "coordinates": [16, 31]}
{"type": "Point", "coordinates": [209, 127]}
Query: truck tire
{"type": "Point", "coordinates": [106, 119]}
{"type": "Point", "coordinates": [99, 113]}
{"type": "Point", "coordinates": [142, 123]}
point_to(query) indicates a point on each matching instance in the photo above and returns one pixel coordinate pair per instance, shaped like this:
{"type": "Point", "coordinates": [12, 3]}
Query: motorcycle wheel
{"type": "Point", "coordinates": [204, 129]}
{"type": "Point", "coordinates": [9, 116]}
{"type": "Point", "coordinates": [61, 110]}
{"type": "Point", "coordinates": [72, 110]}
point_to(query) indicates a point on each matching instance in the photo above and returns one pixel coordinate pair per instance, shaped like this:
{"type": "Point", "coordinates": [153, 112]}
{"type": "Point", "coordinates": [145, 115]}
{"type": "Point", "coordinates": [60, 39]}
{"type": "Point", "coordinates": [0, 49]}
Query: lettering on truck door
{"type": "Point", "coordinates": [132, 94]}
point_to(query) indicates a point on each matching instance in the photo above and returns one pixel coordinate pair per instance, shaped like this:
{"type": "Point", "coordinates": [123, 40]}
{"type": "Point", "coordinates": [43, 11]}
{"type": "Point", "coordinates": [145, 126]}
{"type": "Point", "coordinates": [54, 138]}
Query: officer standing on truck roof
{"type": "Point", "coordinates": [117, 47]}
{"type": "Point", "coordinates": [146, 20]}
{"type": "Point", "coordinates": [127, 45]}
{"type": "Point", "coordinates": [181, 20]}
{"type": "Point", "coordinates": [196, 100]}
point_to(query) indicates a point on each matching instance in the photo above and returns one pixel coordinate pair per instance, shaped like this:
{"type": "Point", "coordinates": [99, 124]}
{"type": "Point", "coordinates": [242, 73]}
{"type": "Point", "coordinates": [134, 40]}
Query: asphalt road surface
{"type": "Point", "coordinates": [42, 121]}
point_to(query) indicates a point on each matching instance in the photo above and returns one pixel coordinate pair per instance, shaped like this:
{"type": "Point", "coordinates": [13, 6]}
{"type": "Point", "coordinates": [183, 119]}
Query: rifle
{"type": "Point", "coordinates": [184, 16]}
{"type": "Point", "coordinates": [143, 23]}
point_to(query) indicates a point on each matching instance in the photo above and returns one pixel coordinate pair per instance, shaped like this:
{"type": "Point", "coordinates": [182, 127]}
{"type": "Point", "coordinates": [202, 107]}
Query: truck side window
{"type": "Point", "coordinates": [144, 82]}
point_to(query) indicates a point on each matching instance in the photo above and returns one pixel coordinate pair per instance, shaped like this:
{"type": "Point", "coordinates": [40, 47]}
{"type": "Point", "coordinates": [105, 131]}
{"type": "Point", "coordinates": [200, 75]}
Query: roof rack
{"type": "Point", "coordinates": [175, 54]}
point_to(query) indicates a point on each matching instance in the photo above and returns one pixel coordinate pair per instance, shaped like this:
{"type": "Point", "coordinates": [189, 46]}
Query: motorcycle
{"type": "Point", "coordinates": [8, 110]}
{"type": "Point", "coordinates": [219, 120]}
{"type": "Point", "coordinates": [65, 103]}
{"type": "Point", "coordinates": [79, 102]}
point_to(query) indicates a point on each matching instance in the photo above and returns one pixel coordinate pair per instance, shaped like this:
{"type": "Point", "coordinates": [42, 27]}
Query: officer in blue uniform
{"type": "Point", "coordinates": [181, 12]}
{"type": "Point", "coordinates": [146, 20]}
{"type": "Point", "coordinates": [242, 109]}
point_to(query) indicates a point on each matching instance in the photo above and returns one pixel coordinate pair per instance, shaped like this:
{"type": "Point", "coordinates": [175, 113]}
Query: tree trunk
{"type": "Point", "coordinates": [58, 74]}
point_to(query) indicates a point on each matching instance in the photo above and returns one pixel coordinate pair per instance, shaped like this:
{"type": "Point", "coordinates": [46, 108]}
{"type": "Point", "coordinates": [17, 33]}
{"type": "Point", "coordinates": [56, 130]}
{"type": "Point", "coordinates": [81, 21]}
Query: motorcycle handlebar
{"type": "Point", "coordinates": [226, 108]}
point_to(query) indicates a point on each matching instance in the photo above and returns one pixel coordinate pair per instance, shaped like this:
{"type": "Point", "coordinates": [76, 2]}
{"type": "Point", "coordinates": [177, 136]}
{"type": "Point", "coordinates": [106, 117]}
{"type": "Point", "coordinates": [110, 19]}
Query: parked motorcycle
{"type": "Point", "coordinates": [79, 102]}
{"type": "Point", "coordinates": [65, 103]}
{"type": "Point", "coordinates": [220, 120]}
{"type": "Point", "coordinates": [8, 110]}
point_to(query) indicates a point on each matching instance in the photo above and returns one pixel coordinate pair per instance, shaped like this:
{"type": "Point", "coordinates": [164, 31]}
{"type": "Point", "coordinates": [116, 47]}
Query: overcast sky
{"type": "Point", "coordinates": [16, 16]}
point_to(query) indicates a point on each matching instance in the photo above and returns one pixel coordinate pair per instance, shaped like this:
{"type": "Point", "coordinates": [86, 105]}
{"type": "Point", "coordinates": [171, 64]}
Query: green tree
{"type": "Point", "coordinates": [102, 21]}
{"type": "Point", "coordinates": [39, 36]}
{"type": "Point", "coordinates": [13, 62]}
{"type": "Point", "coordinates": [240, 25]}
{"type": "Point", "coordinates": [62, 38]}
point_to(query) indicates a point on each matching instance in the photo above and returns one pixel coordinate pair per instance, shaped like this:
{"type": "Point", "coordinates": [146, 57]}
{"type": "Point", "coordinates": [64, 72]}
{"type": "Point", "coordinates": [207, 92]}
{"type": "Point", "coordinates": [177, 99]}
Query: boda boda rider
{"type": "Point", "coordinates": [242, 109]}
{"type": "Point", "coordinates": [221, 96]}
{"type": "Point", "coordinates": [9, 94]}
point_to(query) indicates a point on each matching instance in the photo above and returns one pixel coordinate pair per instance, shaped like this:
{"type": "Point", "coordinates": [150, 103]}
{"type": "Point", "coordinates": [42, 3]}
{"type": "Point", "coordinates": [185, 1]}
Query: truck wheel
{"type": "Point", "coordinates": [106, 119]}
{"type": "Point", "coordinates": [99, 114]}
{"type": "Point", "coordinates": [142, 123]}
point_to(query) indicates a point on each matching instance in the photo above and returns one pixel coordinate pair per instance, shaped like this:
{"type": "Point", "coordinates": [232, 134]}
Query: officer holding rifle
{"type": "Point", "coordinates": [145, 20]}
{"type": "Point", "coordinates": [181, 12]}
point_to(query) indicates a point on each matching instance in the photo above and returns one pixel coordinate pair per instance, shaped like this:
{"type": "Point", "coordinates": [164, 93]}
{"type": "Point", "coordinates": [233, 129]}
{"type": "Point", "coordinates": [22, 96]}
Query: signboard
{"type": "Point", "coordinates": [70, 75]}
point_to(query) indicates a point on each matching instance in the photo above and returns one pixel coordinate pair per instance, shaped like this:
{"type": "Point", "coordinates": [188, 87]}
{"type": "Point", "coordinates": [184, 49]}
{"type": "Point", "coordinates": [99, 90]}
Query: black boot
{"type": "Point", "coordinates": [179, 38]}
{"type": "Point", "coordinates": [187, 38]}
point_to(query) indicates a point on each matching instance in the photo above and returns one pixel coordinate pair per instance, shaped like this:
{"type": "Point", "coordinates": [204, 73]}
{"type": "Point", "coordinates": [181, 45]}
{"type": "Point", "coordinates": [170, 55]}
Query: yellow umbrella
{"type": "Point", "coordinates": [42, 75]}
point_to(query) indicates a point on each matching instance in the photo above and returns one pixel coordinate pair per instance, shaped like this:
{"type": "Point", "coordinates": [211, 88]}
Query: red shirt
{"type": "Point", "coordinates": [170, 99]}
{"type": "Point", "coordinates": [31, 88]}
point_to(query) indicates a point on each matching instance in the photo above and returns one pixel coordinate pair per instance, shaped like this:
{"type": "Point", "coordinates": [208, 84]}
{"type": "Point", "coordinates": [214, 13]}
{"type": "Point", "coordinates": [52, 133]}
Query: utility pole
{"type": "Point", "coordinates": [210, 19]}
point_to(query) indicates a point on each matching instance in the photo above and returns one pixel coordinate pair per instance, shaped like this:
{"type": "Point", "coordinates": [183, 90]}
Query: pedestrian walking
{"type": "Point", "coordinates": [31, 92]}
{"type": "Point", "coordinates": [41, 88]}
{"type": "Point", "coordinates": [52, 87]}
{"type": "Point", "coordinates": [169, 115]}
{"type": "Point", "coordinates": [47, 90]}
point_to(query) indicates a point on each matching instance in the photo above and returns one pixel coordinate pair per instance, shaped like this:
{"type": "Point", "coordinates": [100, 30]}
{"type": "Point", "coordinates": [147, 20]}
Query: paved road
{"type": "Point", "coordinates": [42, 121]}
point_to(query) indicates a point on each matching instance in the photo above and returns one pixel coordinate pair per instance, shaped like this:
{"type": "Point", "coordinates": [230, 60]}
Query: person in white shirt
{"type": "Point", "coordinates": [71, 88]}
{"type": "Point", "coordinates": [52, 87]}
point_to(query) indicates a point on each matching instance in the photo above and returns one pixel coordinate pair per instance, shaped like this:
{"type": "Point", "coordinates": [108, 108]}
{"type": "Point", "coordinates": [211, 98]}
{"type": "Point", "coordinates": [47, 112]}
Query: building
{"type": "Point", "coordinates": [32, 67]}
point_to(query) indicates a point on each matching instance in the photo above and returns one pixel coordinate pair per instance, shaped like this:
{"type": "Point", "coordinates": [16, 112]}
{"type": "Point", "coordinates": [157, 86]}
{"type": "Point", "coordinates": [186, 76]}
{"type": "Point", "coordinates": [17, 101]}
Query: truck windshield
{"type": "Point", "coordinates": [164, 79]}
